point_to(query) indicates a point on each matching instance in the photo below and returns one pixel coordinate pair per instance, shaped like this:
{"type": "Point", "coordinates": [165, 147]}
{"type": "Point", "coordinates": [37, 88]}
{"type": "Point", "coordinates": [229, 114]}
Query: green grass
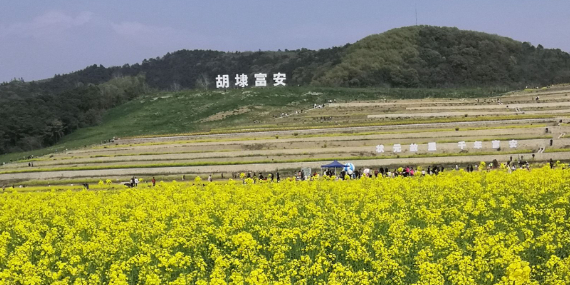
{"type": "Point", "coordinates": [182, 112]}
{"type": "Point", "coordinates": [502, 139]}
{"type": "Point", "coordinates": [119, 155]}
{"type": "Point", "coordinates": [557, 150]}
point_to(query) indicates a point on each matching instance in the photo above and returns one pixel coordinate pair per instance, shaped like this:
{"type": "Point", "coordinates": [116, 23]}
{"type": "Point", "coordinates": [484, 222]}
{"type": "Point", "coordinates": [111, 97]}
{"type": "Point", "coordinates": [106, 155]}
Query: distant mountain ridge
{"type": "Point", "coordinates": [417, 56]}
{"type": "Point", "coordinates": [36, 114]}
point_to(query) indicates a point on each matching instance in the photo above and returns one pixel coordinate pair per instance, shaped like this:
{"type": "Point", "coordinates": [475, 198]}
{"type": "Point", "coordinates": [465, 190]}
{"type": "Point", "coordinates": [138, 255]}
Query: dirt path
{"type": "Point", "coordinates": [309, 144]}
{"type": "Point", "coordinates": [272, 167]}
{"type": "Point", "coordinates": [280, 155]}
{"type": "Point", "coordinates": [458, 135]}
{"type": "Point", "coordinates": [337, 130]}
{"type": "Point", "coordinates": [439, 114]}
{"type": "Point", "coordinates": [539, 92]}
{"type": "Point", "coordinates": [495, 106]}
{"type": "Point", "coordinates": [509, 111]}
{"type": "Point", "coordinates": [394, 103]}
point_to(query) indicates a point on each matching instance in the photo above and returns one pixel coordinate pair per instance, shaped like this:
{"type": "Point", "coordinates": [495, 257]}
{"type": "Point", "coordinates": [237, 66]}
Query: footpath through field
{"type": "Point", "coordinates": [272, 167]}
{"type": "Point", "coordinates": [338, 129]}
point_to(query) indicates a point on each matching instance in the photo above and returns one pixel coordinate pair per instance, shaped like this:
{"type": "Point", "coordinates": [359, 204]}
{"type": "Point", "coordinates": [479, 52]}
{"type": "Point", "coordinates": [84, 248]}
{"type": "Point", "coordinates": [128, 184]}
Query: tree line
{"type": "Point", "coordinates": [32, 117]}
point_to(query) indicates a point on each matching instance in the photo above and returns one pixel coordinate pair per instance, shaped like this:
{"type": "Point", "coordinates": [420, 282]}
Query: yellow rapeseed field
{"type": "Point", "coordinates": [456, 228]}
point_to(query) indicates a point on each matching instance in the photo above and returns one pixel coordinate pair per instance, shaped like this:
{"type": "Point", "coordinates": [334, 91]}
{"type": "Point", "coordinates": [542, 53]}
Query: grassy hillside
{"type": "Point", "coordinates": [39, 114]}
{"type": "Point", "coordinates": [440, 56]}
{"type": "Point", "coordinates": [211, 110]}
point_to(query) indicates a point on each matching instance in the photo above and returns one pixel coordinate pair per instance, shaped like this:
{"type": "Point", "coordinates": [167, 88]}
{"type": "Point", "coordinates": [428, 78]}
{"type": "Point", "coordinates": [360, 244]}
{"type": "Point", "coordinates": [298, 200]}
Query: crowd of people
{"type": "Point", "coordinates": [406, 171]}
{"type": "Point", "coordinates": [409, 171]}
{"type": "Point", "coordinates": [276, 177]}
{"type": "Point", "coordinates": [134, 182]}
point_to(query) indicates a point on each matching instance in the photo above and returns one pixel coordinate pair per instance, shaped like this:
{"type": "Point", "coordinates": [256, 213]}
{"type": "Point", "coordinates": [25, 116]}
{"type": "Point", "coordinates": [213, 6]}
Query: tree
{"type": "Point", "coordinates": [203, 81]}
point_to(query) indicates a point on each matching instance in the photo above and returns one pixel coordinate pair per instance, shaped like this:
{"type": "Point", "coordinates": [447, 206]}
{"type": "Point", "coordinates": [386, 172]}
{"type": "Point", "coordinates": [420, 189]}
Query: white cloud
{"type": "Point", "coordinates": [62, 27]}
{"type": "Point", "coordinates": [49, 24]}
{"type": "Point", "coordinates": [60, 41]}
{"type": "Point", "coordinates": [136, 29]}
{"type": "Point", "coordinates": [150, 36]}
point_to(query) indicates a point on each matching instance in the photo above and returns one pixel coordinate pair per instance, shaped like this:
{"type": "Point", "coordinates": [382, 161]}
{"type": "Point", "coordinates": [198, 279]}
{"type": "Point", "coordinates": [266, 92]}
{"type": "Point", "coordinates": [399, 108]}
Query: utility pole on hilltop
{"type": "Point", "coordinates": [416, 7]}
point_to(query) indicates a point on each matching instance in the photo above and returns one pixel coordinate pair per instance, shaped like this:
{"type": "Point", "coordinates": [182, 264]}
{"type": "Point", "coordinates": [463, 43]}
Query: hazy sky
{"type": "Point", "coordinates": [41, 38]}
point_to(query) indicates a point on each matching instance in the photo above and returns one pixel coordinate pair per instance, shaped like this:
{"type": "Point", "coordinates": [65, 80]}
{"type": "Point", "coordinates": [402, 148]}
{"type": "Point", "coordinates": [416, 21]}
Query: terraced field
{"type": "Point", "coordinates": [292, 137]}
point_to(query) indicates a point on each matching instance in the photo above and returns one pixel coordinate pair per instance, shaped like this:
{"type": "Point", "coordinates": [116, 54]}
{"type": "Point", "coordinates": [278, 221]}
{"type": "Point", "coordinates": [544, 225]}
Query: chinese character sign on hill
{"type": "Point", "coordinates": [260, 79]}
{"type": "Point", "coordinates": [223, 81]}
{"type": "Point", "coordinates": [380, 148]}
{"type": "Point", "coordinates": [397, 147]}
{"type": "Point", "coordinates": [241, 80]}
{"type": "Point", "coordinates": [432, 146]}
{"type": "Point", "coordinates": [279, 79]}
{"type": "Point", "coordinates": [413, 147]}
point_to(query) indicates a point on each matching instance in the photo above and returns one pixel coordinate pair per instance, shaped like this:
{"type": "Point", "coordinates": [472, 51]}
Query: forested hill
{"type": "Point", "coordinates": [36, 114]}
{"type": "Point", "coordinates": [32, 117]}
{"type": "Point", "coordinates": [426, 56]}
{"type": "Point", "coordinates": [418, 56]}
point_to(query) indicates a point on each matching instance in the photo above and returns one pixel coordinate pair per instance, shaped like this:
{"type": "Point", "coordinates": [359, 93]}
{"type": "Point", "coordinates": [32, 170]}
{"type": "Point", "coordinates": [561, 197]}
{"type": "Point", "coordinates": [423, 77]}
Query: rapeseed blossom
{"type": "Point", "coordinates": [455, 228]}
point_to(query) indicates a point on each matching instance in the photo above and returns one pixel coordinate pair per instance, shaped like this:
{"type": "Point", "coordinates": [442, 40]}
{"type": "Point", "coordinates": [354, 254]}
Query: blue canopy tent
{"type": "Point", "coordinates": [335, 164]}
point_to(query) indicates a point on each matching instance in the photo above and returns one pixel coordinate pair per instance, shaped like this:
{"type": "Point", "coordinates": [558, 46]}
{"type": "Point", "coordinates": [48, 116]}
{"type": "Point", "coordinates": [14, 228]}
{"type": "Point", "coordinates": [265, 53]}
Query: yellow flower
{"type": "Point", "coordinates": [458, 227]}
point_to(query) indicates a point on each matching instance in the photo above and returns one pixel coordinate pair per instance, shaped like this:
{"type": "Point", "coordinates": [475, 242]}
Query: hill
{"type": "Point", "coordinates": [199, 111]}
{"type": "Point", "coordinates": [172, 134]}
{"type": "Point", "coordinates": [426, 56]}
{"type": "Point", "coordinates": [418, 56]}
{"type": "Point", "coordinates": [32, 118]}
{"type": "Point", "coordinates": [38, 114]}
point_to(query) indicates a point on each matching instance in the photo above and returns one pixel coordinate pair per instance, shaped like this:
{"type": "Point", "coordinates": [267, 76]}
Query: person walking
{"type": "Point", "coordinates": [153, 182]}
